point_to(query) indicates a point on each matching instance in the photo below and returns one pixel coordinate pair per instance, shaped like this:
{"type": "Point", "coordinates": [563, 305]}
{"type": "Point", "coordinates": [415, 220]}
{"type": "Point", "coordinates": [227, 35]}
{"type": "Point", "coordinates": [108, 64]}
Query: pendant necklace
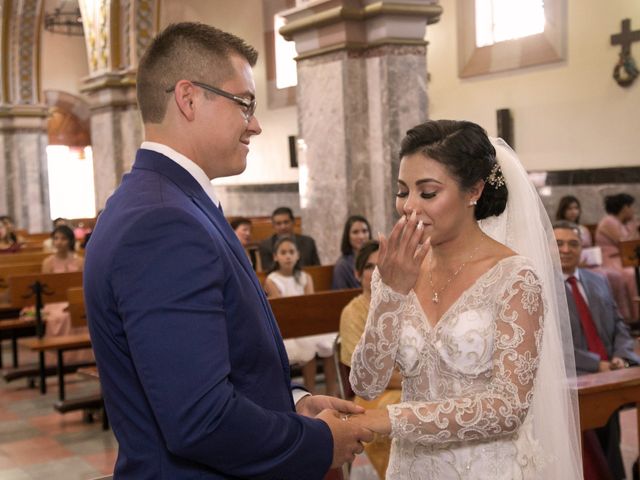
{"type": "Point", "coordinates": [435, 298]}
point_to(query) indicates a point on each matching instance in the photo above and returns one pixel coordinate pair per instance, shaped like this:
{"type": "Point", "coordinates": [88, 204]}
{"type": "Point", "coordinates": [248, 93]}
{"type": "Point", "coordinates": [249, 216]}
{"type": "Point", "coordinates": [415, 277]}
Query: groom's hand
{"type": "Point", "coordinates": [312, 405]}
{"type": "Point", "coordinates": [347, 436]}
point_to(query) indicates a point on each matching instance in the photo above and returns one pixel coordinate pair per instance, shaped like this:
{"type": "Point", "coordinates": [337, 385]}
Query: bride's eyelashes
{"type": "Point", "coordinates": [425, 195]}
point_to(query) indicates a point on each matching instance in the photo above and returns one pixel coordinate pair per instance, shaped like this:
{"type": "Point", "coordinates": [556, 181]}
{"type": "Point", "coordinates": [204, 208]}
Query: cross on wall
{"type": "Point", "coordinates": [625, 72]}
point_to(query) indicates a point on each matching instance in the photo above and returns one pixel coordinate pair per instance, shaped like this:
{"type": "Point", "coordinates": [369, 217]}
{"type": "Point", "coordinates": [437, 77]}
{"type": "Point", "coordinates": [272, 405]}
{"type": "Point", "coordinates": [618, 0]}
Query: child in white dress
{"type": "Point", "coordinates": [287, 280]}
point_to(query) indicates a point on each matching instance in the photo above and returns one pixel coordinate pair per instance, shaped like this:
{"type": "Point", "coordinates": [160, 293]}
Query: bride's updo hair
{"type": "Point", "coordinates": [465, 150]}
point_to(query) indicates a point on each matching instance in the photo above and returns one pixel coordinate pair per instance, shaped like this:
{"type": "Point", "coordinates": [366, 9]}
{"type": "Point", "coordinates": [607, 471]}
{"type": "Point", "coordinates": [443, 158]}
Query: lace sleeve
{"type": "Point", "coordinates": [501, 406]}
{"type": "Point", "coordinates": [374, 357]}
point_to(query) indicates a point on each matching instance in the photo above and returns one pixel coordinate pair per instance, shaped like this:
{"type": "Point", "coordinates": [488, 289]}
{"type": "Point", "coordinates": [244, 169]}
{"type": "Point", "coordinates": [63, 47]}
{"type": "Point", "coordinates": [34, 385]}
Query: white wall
{"type": "Point", "coordinates": [63, 59]}
{"type": "Point", "coordinates": [566, 115]}
{"type": "Point", "coordinates": [268, 160]}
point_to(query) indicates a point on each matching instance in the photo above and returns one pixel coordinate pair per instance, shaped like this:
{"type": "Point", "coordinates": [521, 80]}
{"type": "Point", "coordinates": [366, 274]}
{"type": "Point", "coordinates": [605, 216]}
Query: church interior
{"type": "Point", "coordinates": [338, 83]}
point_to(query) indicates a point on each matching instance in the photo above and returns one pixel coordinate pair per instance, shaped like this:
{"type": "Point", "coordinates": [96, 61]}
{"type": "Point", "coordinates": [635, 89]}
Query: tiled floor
{"type": "Point", "coordinates": [37, 442]}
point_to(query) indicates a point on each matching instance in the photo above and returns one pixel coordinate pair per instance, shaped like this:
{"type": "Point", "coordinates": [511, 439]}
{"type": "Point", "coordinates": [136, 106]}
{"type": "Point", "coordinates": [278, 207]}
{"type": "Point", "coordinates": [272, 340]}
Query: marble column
{"type": "Point", "coordinates": [23, 167]}
{"type": "Point", "coordinates": [116, 129]}
{"type": "Point", "coordinates": [362, 82]}
{"type": "Point", "coordinates": [117, 33]}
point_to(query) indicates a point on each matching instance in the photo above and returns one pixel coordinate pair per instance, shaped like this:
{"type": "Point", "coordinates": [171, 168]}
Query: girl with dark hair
{"type": "Point", "coordinates": [468, 303]}
{"type": "Point", "coordinates": [618, 225]}
{"type": "Point", "coordinates": [356, 232]}
{"type": "Point", "coordinates": [64, 259]}
{"type": "Point", "coordinates": [287, 279]}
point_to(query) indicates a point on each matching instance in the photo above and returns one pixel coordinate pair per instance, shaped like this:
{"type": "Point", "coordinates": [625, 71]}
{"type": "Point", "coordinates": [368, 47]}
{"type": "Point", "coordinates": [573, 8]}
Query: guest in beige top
{"type": "Point", "coordinates": [65, 259]}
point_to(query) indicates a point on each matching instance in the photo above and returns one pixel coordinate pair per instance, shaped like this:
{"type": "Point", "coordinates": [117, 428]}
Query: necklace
{"type": "Point", "coordinates": [435, 298]}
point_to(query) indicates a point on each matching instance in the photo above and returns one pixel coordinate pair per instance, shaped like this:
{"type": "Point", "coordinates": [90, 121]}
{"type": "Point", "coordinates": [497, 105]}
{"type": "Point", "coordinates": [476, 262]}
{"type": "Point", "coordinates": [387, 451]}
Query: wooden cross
{"type": "Point", "coordinates": [626, 37]}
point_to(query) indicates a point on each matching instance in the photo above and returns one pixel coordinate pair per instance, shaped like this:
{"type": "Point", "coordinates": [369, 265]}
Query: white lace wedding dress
{"type": "Point", "coordinates": [467, 382]}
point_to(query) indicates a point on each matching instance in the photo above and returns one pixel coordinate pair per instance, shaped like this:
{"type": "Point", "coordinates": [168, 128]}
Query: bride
{"type": "Point", "coordinates": [468, 303]}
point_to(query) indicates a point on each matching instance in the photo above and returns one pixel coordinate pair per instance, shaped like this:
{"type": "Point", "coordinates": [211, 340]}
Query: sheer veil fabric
{"type": "Point", "coordinates": [525, 228]}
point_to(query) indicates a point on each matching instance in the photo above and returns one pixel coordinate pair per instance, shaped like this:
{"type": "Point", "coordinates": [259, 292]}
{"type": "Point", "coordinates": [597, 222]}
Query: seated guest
{"type": "Point", "coordinates": [356, 232]}
{"type": "Point", "coordinates": [242, 227]}
{"type": "Point", "coordinates": [8, 240]}
{"type": "Point", "coordinates": [47, 245]}
{"type": "Point", "coordinates": [65, 259]}
{"type": "Point", "coordinates": [287, 280]}
{"type": "Point", "coordinates": [619, 225]}
{"type": "Point", "coordinates": [570, 210]}
{"type": "Point", "coordinates": [601, 339]}
{"type": "Point", "coordinates": [283, 222]}
{"type": "Point", "coordinates": [352, 322]}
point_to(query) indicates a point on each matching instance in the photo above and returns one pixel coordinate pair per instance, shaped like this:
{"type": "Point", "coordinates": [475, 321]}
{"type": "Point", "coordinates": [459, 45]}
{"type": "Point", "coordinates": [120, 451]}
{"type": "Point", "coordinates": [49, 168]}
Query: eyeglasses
{"type": "Point", "coordinates": [248, 106]}
{"type": "Point", "coordinates": [571, 243]}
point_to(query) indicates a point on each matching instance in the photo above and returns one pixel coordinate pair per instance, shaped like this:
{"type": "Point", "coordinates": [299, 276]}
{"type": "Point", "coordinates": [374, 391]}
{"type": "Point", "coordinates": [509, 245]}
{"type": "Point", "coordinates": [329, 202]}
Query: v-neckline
{"type": "Point", "coordinates": [433, 328]}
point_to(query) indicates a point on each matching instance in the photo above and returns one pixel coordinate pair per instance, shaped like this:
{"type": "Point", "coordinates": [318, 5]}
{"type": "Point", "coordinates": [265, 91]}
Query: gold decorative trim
{"type": "Point", "coordinates": [38, 60]}
{"type": "Point", "coordinates": [29, 111]}
{"type": "Point", "coordinates": [337, 14]}
{"type": "Point", "coordinates": [4, 50]}
{"type": "Point", "coordinates": [114, 36]}
{"type": "Point", "coordinates": [101, 82]}
{"type": "Point", "coordinates": [360, 47]}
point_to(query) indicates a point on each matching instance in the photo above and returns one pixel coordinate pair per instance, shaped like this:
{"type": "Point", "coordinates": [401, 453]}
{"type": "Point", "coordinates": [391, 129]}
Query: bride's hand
{"type": "Point", "coordinates": [402, 254]}
{"type": "Point", "coordinates": [376, 420]}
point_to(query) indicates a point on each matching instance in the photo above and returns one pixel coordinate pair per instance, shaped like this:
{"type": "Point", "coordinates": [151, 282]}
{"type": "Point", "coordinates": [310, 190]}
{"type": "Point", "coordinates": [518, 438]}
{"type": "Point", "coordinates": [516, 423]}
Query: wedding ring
{"type": "Point", "coordinates": [344, 417]}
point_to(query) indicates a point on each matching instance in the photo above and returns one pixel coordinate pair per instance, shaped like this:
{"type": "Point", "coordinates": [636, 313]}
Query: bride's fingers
{"type": "Point", "coordinates": [383, 246]}
{"type": "Point", "coordinates": [396, 233]}
{"type": "Point", "coordinates": [422, 250]}
{"type": "Point", "coordinates": [414, 239]}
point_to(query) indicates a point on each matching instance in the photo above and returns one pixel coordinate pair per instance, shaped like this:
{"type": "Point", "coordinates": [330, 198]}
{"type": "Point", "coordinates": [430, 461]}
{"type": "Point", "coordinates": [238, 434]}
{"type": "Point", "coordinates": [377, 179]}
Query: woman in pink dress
{"type": "Point", "coordinates": [65, 258]}
{"type": "Point", "coordinates": [615, 227]}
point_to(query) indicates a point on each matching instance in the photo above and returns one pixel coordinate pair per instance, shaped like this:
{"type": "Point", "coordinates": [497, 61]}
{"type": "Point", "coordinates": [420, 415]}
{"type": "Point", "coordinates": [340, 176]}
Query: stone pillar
{"type": "Point", "coordinates": [24, 184]}
{"type": "Point", "coordinates": [362, 79]}
{"type": "Point", "coordinates": [23, 167]}
{"type": "Point", "coordinates": [117, 33]}
{"type": "Point", "coordinates": [116, 130]}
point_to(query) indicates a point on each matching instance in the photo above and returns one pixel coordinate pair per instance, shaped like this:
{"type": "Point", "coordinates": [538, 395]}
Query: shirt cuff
{"type": "Point", "coordinates": [298, 394]}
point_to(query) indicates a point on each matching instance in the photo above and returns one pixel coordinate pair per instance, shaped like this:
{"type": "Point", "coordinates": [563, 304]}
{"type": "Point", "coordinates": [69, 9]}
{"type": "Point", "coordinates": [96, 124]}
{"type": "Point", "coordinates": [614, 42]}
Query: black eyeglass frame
{"type": "Point", "coordinates": [250, 105]}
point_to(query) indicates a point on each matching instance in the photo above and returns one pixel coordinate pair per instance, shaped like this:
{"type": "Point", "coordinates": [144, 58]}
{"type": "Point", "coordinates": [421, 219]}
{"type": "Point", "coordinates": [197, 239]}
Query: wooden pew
{"type": "Point", "coordinates": [66, 343]}
{"type": "Point", "coordinates": [600, 395]}
{"type": "Point", "coordinates": [23, 292]}
{"type": "Point", "coordinates": [321, 275]}
{"type": "Point", "coordinates": [311, 314]}
{"type": "Point", "coordinates": [23, 258]}
{"type": "Point", "coordinates": [7, 271]}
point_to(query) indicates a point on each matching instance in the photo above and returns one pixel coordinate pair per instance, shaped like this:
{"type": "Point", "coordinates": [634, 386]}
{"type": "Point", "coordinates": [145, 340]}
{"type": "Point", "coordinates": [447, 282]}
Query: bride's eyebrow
{"type": "Point", "coordinates": [427, 180]}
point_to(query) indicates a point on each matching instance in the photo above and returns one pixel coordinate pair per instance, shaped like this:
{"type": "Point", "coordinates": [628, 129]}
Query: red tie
{"type": "Point", "coordinates": [594, 343]}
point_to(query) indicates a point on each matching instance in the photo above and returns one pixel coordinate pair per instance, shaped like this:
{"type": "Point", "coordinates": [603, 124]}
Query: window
{"type": "Point", "coordinates": [286, 72]}
{"type": "Point", "coordinates": [71, 187]}
{"type": "Point", "coordinates": [500, 20]}
{"type": "Point", "coordinates": [498, 35]}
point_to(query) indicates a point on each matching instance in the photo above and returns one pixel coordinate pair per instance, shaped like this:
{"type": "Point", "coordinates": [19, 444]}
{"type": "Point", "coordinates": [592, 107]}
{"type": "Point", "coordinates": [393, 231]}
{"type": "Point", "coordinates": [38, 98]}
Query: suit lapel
{"type": "Point", "coordinates": [150, 160]}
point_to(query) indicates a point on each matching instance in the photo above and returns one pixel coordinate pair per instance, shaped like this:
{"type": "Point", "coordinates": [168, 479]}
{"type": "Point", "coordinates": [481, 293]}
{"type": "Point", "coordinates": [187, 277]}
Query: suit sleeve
{"type": "Point", "coordinates": [315, 258]}
{"type": "Point", "coordinates": [169, 283]}
{"type": "Point", "coordinates": [266, 255]}
{"type": "Point", "coordinates": [623, 343]}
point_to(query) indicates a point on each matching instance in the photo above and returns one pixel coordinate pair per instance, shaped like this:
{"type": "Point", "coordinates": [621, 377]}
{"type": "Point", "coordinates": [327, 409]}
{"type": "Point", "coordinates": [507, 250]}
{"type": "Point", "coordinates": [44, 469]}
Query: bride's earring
{"type": "Point", "coordinates": [473, 203]}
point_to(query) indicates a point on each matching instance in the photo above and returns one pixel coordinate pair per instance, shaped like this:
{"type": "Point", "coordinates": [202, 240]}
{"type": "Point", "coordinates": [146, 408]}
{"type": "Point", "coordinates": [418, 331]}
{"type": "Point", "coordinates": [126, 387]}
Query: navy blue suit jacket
{"type": "Point", "coordinates": [194, 373]}
{"type": "Point", "coordinates": [612, 329]}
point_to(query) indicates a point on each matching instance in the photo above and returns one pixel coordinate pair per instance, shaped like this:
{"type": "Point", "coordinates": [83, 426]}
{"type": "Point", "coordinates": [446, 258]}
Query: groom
{"type": "Point", "coordinates": [193, 369]}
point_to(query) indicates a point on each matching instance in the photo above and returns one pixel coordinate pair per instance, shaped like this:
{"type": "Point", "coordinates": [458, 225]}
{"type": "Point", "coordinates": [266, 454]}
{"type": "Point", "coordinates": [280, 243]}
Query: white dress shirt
{"type": "Point", "coordinates": [189, 165]}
